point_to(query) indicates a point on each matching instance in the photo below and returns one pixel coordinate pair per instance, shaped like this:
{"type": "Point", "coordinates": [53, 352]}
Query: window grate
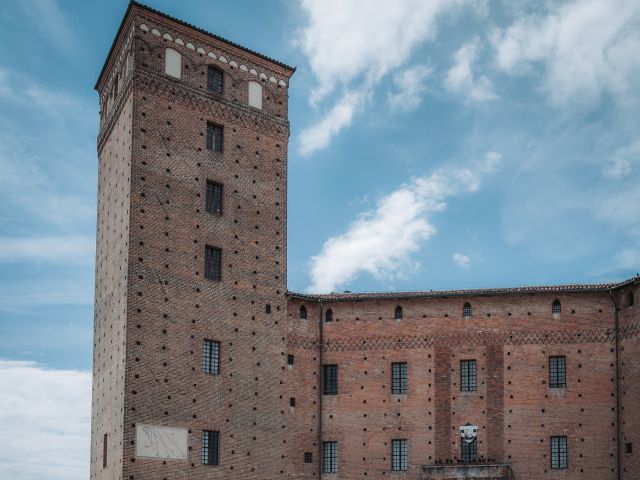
{"type": "Point", "coordinates": [330, 379]}
{"type": "Point", "coordinates": [556, 307]}
{"type": "Point", "coordinates": [328, 316]}
{"type": "Point", "coordinates": [559, 457]}
{"type": "Point", "coordinates": [398, 313]}
{"type": "Point", "coordinates": [215, 79]}
{"type": "Point", "coordinates": [469, 451]}
{"type": "Point", "coordinates": [399, 455]}
{"type": "Point", "coordinates": [303, 312]}
{"type": "Point", "coordinates": [214, 137]}
{"type": "Point", "coordinates": [468, 376]}
{"type": "Point", "coordinates": [211, 357]}
{"type": "Point", "coordinates": [212, 263]}
{"type": "Point", "coordinates": [214, 198]}
{"type": "Point", "coordinates": [399, 378]}
{"type": "Point", "coordinates": [209, 447]}
{"type": "Point", "coordinates": [330, 457]}
{"type": "Point", "coordinates": [308, 457]}
{"type": "Point", "coordinates": [557, 372]}
{"type": "Point", "coordinates": [466, 310]}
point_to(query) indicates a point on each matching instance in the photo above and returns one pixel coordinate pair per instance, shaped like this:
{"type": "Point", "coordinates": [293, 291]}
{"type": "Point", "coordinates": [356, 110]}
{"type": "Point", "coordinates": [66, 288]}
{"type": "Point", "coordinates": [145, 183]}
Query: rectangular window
{"type": "Point", "coordinates": [214, 80]}
{"type": "Point", "coordinates": [211, 357]}
{"type": "Point", "coordinates": [469, 450]}
{"type": "Point", "coordinates": [559, 453]}
{"type": "Point", "coordinates": [468, 376]}
{"type": "Point", "coordinates": [209, 447]}
{"type": "Point", "coordinates": [214, 198]}
{"type": "Point", "coordinates": [330, 379]}
{"type": "Point", "coordinates": [557, 372]}
{"type": "Point", "coordinates": [212, 263]}
{"type": "Point", "coordinates": [399, 378]}
{"type": "Point", "coordinates": [214, 137]}
{"type": "Point", "coordinates": [292, 401]}
{"type": "Point", "coordinates": [104, 451]}
{"type": "Point", "coordinates": [399, 455]}
{"type": "Point", "coordinates": [330, 457]}
{"type": "Point", "coordinates": [308, 457]}
{"type": "Point", "coordinates": [628, 447]}
{"type": "Point", "coordinates": [289, 359]}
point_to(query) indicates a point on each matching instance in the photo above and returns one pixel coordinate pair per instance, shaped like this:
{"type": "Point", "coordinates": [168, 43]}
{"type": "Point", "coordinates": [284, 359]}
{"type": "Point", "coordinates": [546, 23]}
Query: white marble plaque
{"type": "Point", "coordinates": [161, 442]}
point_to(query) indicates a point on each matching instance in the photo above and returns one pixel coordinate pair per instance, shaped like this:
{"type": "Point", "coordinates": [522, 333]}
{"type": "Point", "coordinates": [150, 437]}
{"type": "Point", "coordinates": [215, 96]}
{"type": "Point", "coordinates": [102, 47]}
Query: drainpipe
{"type": "Point", "coordinates": [616, 310]}
{"type": "Point", "coordinates": [320, 349]}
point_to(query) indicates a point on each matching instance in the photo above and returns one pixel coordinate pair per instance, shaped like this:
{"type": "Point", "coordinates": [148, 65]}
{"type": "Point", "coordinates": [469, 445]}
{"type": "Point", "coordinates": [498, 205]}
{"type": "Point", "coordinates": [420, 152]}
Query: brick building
{"type": "Point", "coordinates": [206, 367]}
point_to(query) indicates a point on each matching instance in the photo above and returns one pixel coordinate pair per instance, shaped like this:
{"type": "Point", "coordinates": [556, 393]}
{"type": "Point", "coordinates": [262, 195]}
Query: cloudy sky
{"type": "Point", "coordinates": [435, 144]}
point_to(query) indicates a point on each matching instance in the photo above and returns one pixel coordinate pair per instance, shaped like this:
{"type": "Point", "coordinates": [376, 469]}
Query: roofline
{"type": "Point", "coordinates": [185, 24]}
{"type": "Point", "coordinates": [533, 289]}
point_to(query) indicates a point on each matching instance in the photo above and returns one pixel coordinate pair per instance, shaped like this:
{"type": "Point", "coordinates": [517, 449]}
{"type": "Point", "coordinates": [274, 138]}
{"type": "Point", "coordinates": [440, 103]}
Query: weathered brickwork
{"type": "Point", "coordinates": [154, 309]}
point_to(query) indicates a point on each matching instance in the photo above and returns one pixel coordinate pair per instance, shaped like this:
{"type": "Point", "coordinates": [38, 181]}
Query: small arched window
{"type": "Point", "coordinates": [398, 313]}
{"type": "Point", "coordinates": [328, 316]}
{"type": "Point", "coordinates": [466, 310]}
{"type": "Point", "coordinates": [303, 312]}
{"type": "Point", "coordinates": [555, 307]}
{"type": "Point", "coordinates": [630, 299]}
{"type": "Point", "coordinates": [172, 63]}
{"type": "Point", "coordinates": [255, 95]}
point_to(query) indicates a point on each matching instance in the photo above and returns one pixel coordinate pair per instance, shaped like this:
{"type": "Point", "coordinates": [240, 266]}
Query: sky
{"type": "Point", "coordinates": [436, 144]}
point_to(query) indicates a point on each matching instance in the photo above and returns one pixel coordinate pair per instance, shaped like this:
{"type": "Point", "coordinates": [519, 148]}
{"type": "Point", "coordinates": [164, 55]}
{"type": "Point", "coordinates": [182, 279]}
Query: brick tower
{"type": "Point", "coordinates": [190, 296]}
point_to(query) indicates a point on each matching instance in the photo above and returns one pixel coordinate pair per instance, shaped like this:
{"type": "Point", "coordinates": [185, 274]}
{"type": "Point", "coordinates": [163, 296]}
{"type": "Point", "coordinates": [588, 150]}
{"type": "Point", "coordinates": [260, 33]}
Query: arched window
{"type": "Point", "coordinates": [555, 307]}
{"type": "Point", "coordinates": [303, 312]}
{"type": "Point", "coordinates": [172, 63]}
{"type": "Point", "coordinates": [398, 314]}
{"type": "Point", "coordinates": [466, 310]}
{"type": "Point", "coordinates": [255, 95]}
{"type": "Point", "coordinates": [630, 299]}
{"type": "Point", "coordinates": [328, 316]}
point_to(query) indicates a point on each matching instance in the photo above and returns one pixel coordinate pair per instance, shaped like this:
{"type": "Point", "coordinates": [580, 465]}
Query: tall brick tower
{"type": "Point", "coordinates": [190, 296]}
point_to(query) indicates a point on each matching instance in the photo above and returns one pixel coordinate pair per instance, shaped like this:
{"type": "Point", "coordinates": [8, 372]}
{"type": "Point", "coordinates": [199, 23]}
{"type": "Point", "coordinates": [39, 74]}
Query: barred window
{"type": "Point", "coordinates": [214, 80]}
{"type": "Point", "coordinates": [556, 308]}
{"type": "Point", "coordinates": [399, 378]}
{"type": "Point", "coordinates": [398, 313]}
{"type": "Point", "coordinates": [212, 263]}
{"type": "Point", "coordinates": [209, 447]}
{"type": "Point", "coordinates": [469, 450]}
{"type": "Point", "coordinates": [211, 357]}
{"type": "Point", "coordinates": [303, 312]}
{"type": "Point", "coordinates": [328, 316]}
{"type": "Point", "coordinates": [466, 310]}
{"type": "Point", "coordinates": [308, 457]}
{"type": "Point", "coordinates": [330, 457]}
{"type": "Point", "coordinates": [214, 137]}
{"type": "Point", "coordinates": [399, 455]}
{"type": "Point", "coordinates": [290, 359]}
{"type": "Point", "coordinates": [468, 376]}
{"type": "Point", "coordinates": [557, 372]}
{"type": "Point", "coordinates": [559, 460]}
{"type": "Point", "coordinates": [214, 198]}
{"type": "Point", "coordinates": [330, 379]}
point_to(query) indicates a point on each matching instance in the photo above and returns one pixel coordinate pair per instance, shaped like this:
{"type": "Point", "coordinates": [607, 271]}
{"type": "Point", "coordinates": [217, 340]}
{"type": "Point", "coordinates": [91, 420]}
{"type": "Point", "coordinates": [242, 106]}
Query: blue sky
{"type": "Point", "coordinates": [434, 145]}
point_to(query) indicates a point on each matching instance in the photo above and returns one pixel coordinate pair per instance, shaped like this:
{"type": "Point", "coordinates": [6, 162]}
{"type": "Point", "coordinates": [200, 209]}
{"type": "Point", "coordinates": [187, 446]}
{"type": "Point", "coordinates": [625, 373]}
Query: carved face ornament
{"type": "Point", "coordinates": [468, 432]}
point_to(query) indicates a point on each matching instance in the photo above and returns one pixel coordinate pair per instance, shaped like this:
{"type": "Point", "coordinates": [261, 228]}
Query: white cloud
{"type": "Point", "coordinates": [352, 45]}
{"type": "Point", "coordinates": [463, 261]}
{"type": "Point", "coordinates": [45, 416]}
{"type": "Point", "coordinates": [587, 48]}
{"type": "Point", "coordinates": [68, 249]}
{"type": "Point", "coordinates": [381, 241]}
{"type": "Point", "coordinates": [410, 87]}
{"type": "Point", "coordinates": [623, 160]}
{"type": "Point", "coordinates": [47, 17]}
{"type": "Point", "coordinates": [461, 79]}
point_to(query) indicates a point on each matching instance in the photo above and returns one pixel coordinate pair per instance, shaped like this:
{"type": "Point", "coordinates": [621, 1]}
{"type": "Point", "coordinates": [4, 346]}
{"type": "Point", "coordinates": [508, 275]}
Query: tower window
{"type": "Point", "coordinates": [214, 198]}
{"type": "Point", "coordinates": [330, 379]}
{"type": "Point", "coordinates": [330, 457]}
{"type": "Point", "coordinates": [466, 310]}
{"type": "Point", "coordinates": [209, 447]}
{"type": "Point", "coordinates": [290, 359]}
{"type": "Point", "coordinates": [214, 137]}
{"type": "Point", "coordinates": [104, 451]}
{"type": "Point", "coordinates": [559, 460]}
{"type": "Point", "coordinates": [557, 372]}
{"type": "Point", "coordinates": [267, 308]}
{"type": "Point", "coordinates": [215, 79]}
{"type": "Point", "coordinates": [556, 308]}
{"type": "Point", "coordinates": [628, 447]}
{"type": "Point", "coordinates": [308, 457]}
{"type": "Point", "coordinates": [292, 401]}
{"type": "Point", "coordinates": [303, 312]}
{"type": "Point", "coordinates": [211, 357]}
{"type": "Point", "coordinates": [468, 376]}
{"type": "Point", "coordinates": [212, 263]}
{"type": "Point", "coordinates": [398, 313]}
{"type": "Point", "coordinates": [399, 378]}
{"type": "Point", "coordinates": [399, 455]}
{"type": "Point", "coordinates": [469, 450]}
{"type": "Point", "coordinates": [172, 63]}
{"type": "Point", "coordinates": [328, 316]}
{"type": "Point", "coordinates": [255, 95]}
{"type": "Point", "coordinates": [630, 299]}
